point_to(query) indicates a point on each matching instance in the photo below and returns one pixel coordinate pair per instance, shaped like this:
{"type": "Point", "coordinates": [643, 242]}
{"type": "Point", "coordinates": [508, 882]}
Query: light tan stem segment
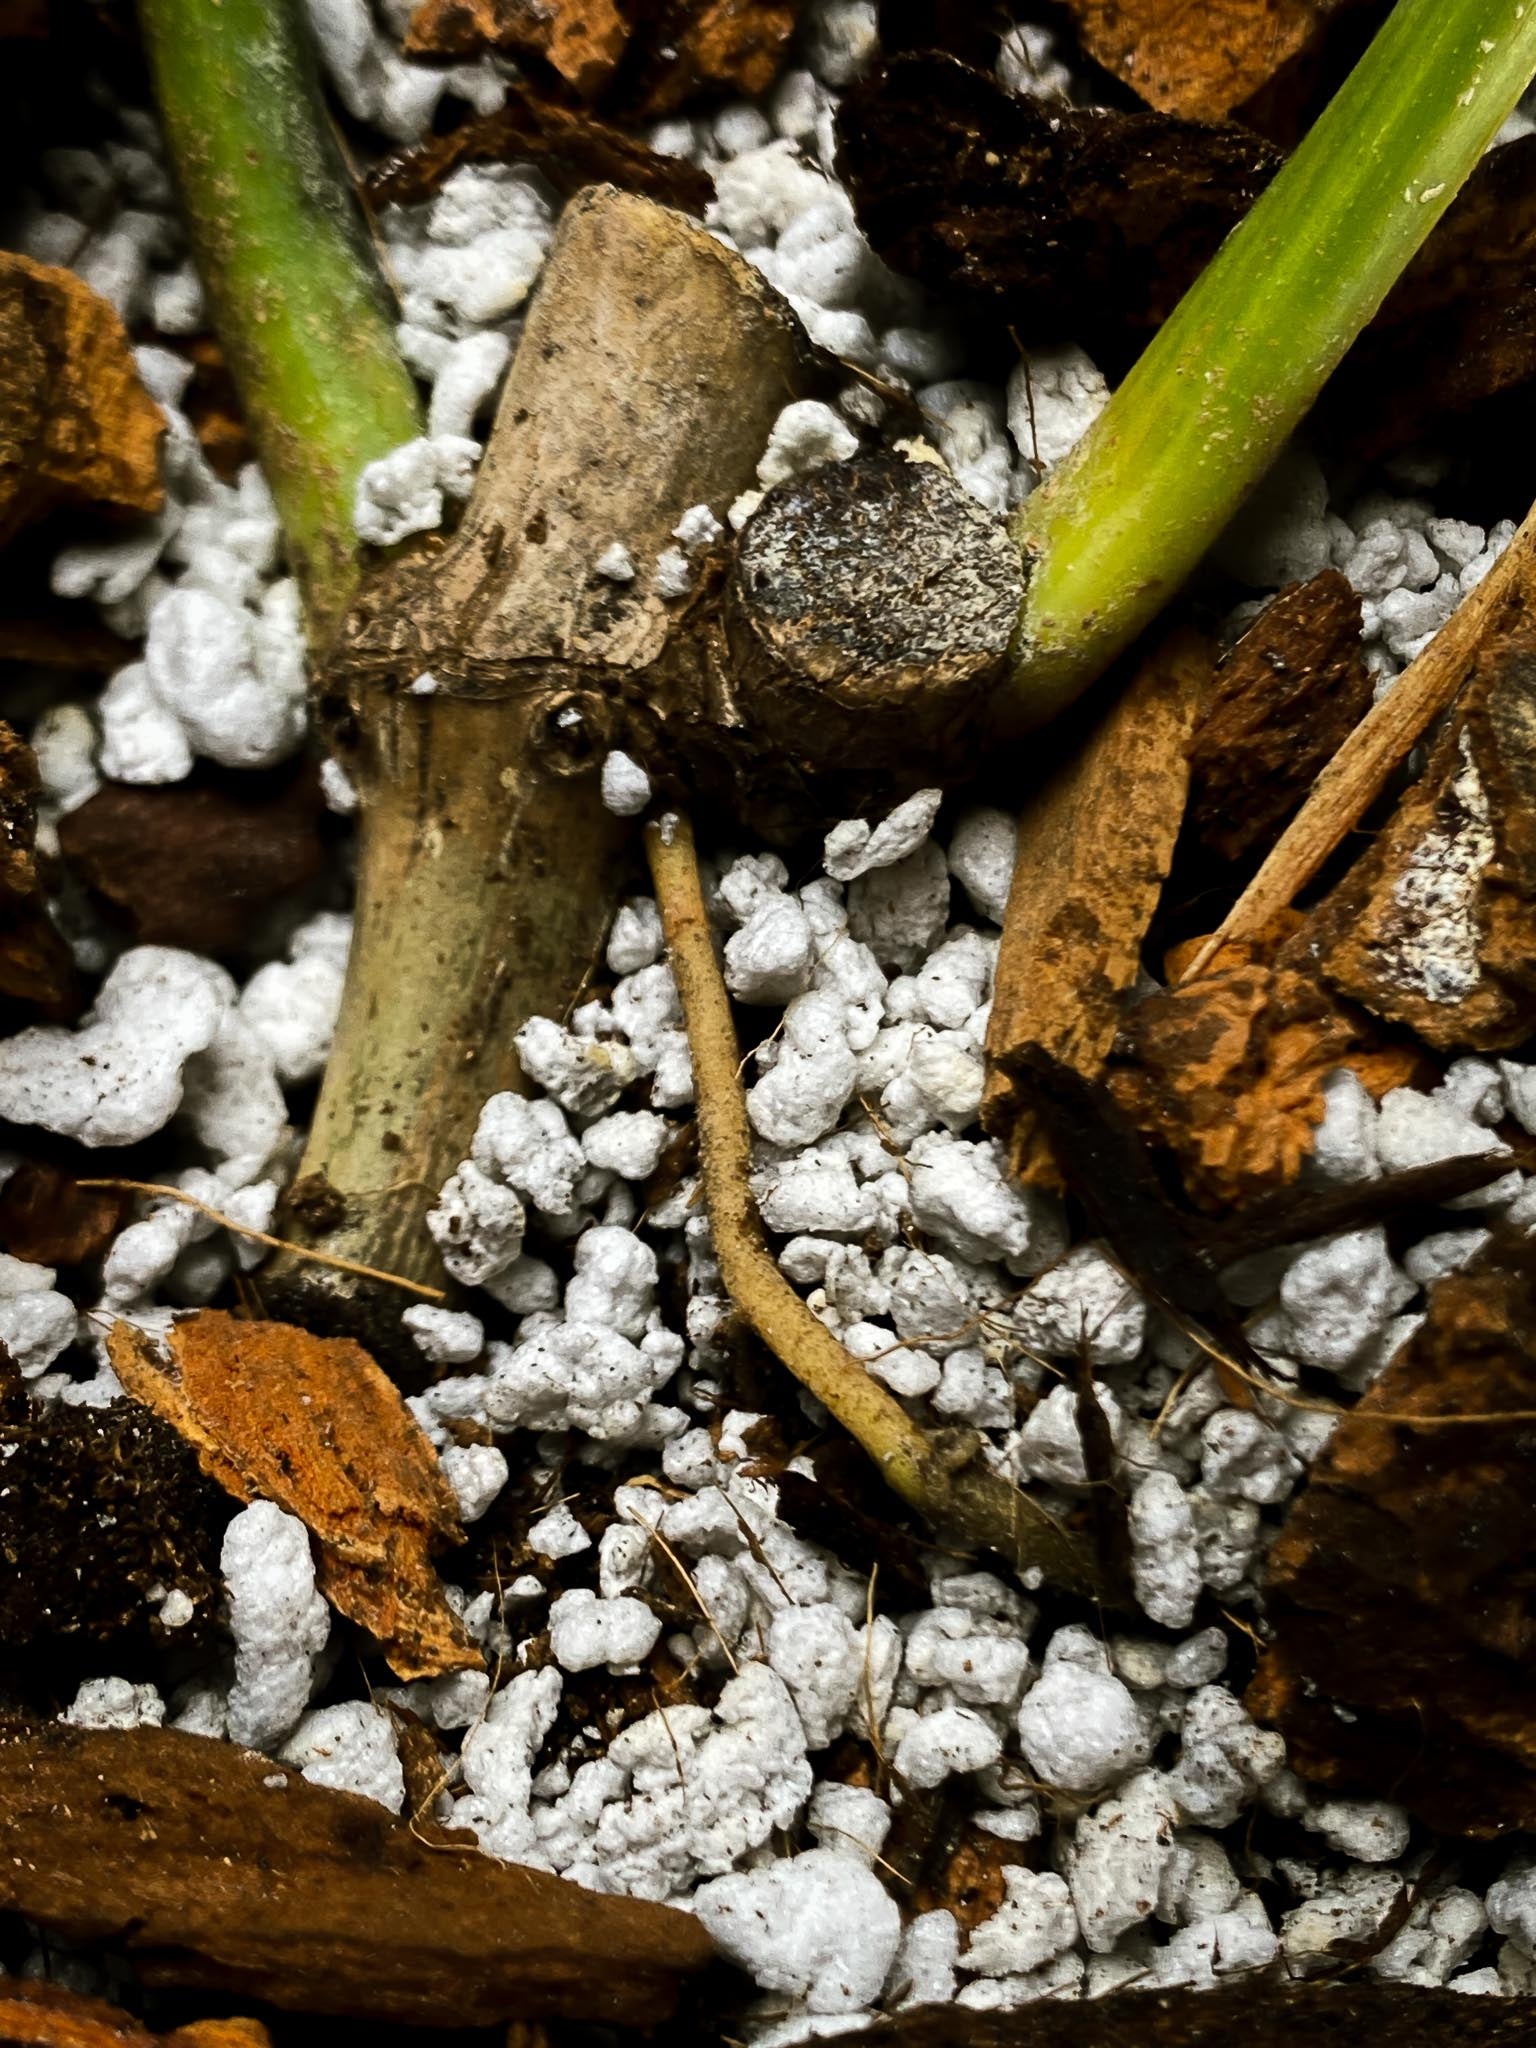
{"type": "Point", "coordinates": [1359, 771]}
{"type": "Point", "coordinates": [940, 1476]}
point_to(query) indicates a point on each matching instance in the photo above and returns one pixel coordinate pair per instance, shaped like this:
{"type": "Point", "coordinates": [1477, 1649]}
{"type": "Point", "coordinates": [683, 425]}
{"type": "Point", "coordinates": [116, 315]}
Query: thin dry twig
{"type": "Point", "coordinates": [700, 1602]}
{"type": "Point", "coordinates": [1313, 1406]}
{"type": "Point", "coordinates": [949, 1487]}
{"type": "Point", "coordinates": [281, 1244]}
{"type": "Point", "coordinates": [1358, 772]}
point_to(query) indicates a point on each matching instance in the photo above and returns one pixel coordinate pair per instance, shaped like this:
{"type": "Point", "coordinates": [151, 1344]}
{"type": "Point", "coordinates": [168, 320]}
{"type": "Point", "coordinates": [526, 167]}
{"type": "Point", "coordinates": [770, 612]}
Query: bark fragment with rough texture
{"type": "Point", "coordinates": [196, 863]}
{"type": "Point", "coordinates": [1282, 703]}
{"type": "Point", "coordinates": [213, 1866]}
{"type": "Point", "coordinates": [1226, 1069]}
{"type": "Point", "coordinates": [313, 1424]}
{"type": "Point", "coordinates": [1198, 58]}
{"type": "Point", "coordinates": [571, 147]}
{"type": "Point", "coordinates": [1403, 1659]}
{"type": "Point", "coordinates": [1095, 844]}
{"type": "Point", "coordinates": [1435, 926]}
{"type": "Point", "coordinates": [77, 426]}
{"type": "Point", "coordinates": [39, 2015]}
{"type": "Point", "coordinates": [645, 56]}
{"type": "Point", "coordinates": [1071, 224]}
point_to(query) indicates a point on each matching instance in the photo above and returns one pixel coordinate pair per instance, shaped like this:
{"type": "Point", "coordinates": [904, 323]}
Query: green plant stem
{"type": "Point", "coordinates": [1210, 404]}
{"type": "Point", "coordinates": [302, 313]}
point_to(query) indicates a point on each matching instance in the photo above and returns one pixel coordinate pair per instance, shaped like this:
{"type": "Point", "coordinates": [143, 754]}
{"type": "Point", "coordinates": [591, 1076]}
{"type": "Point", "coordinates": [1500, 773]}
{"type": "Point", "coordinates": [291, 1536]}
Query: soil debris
{"type": "Point", "coordinates": [37, 969]}
{"type": "Point", "coordinates": [1282, 704]}
{"type": "Point", "coordinates": [647, 56]}
{"type": "Point", "coordinates": [1226, 1071]}
{"type": "Point", "coordinates": [1095, 844]}
{"type": "Point", "coordinates": [570, 146]}
{"type": "Point", "coordinates": [195, 863]}
{"type": "Point", "coordinates": [1071, 225]}
{"type": "Point", "coordinates": [216, 1867]}
{"type": "Point", "coordinates": [99, 1507]}
{"type": "Point", "coordinates": [1399, 1590]}
{"type": "Point", "coordinates": [47, 1218]}
{"type": "Point", "coordinates": [313, 1424]}
{"type": "Point", "coordinates": [77, 426]}
{"type": "Point", "coordinates": [1201, 60]}
{"type": "Point", "coordinates": [1435, 926]}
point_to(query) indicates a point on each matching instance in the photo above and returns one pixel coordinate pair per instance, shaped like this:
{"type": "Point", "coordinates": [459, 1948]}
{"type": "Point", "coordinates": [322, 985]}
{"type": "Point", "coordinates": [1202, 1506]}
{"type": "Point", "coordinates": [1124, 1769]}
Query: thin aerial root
{"type": "Point", "coordinates": [957, 1493]}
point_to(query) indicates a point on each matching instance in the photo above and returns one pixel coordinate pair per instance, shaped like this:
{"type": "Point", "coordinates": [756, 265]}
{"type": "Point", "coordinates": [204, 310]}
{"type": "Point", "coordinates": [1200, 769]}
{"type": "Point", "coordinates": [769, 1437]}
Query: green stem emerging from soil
{"type": "Point", "coordinates": [1210, 404]}
{"type": "Point", "coordinates": [302, 313]}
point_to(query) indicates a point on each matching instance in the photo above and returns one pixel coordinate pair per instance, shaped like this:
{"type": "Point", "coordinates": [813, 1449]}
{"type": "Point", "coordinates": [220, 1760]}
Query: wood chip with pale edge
{"type": "Point", "coordinates": [213, 1866]}
{"type": "Point", "coordinates": [312, 1424]}
{"type": "Point", "coordinates": [1435, 925]}
{"type": "Point", "coordinates": [1198, 58]}
{"type": "Point", "coordinates": [76, 424]}
{"type": "Point", "coordinates": [1094, 848]}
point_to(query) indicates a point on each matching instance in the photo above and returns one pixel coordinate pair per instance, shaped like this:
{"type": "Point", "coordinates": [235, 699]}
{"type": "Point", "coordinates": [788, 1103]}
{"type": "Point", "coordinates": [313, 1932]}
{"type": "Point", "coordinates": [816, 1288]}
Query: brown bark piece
{"type": "Point", "coordinates": [97, 1507]}
{"type": "Point", "coordinates": [1197, 58]}
{"type": "Point", "coordinates": [76, 424]}
{"type": "Point", "coordinates": [48, 2016]}
{"type": "Point", "coordinates": [1400, 1591]}
{"type": "Point", "coordinates": [1459, 326]}
{"type": "Point", "coordinates": [1498, 608]}
{"type": "Point", "coordinates": [313, 1424]}
{"type": "Point", "coordinates": [1226, 1071]}
{"type": "Point", "coordinates": [47, 1218]}
{"type": "Point", "coordinates": [571, 147]}
{"type": "Point", "coordinates": [670, 51]}
{"type": "Point", "coordinates": [212, 405]}
{"type": "Point", "coordinates": [1071, 225]}
{"type": "Point", "coordinates": [231, 2033]}
{"type": "Point", "coordinates": [188, 1854]}
{"type": "Point", "coordinates": [36, 966]}
{"type": "Point", "coordinates": [583, 40]}
{"type": "Point", "coordinates": [1435, 926]}
{"type": "Point", "coordinates": [60, 636]}
{"type": "Point", "coordinates": [193, 864]}
{"type": "Point", "coordinates": [39, 2015]}
{"type": "Point", "coordinates": [1094, 849]}
{"type": "Point", "coordinates": [1260, 2011]}
{"type": "Point", "coordinates": [1283, 702]}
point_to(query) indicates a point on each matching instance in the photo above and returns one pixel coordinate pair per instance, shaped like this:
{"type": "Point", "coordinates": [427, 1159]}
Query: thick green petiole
{"type": "Point", "coordinates": [301, 311]}
{"type": "Point", "coordinates": [1210, 404]}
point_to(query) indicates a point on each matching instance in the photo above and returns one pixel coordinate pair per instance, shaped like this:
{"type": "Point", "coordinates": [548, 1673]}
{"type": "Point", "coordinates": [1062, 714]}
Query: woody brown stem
{"type": "Point", "coordinates": [651, 368]}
